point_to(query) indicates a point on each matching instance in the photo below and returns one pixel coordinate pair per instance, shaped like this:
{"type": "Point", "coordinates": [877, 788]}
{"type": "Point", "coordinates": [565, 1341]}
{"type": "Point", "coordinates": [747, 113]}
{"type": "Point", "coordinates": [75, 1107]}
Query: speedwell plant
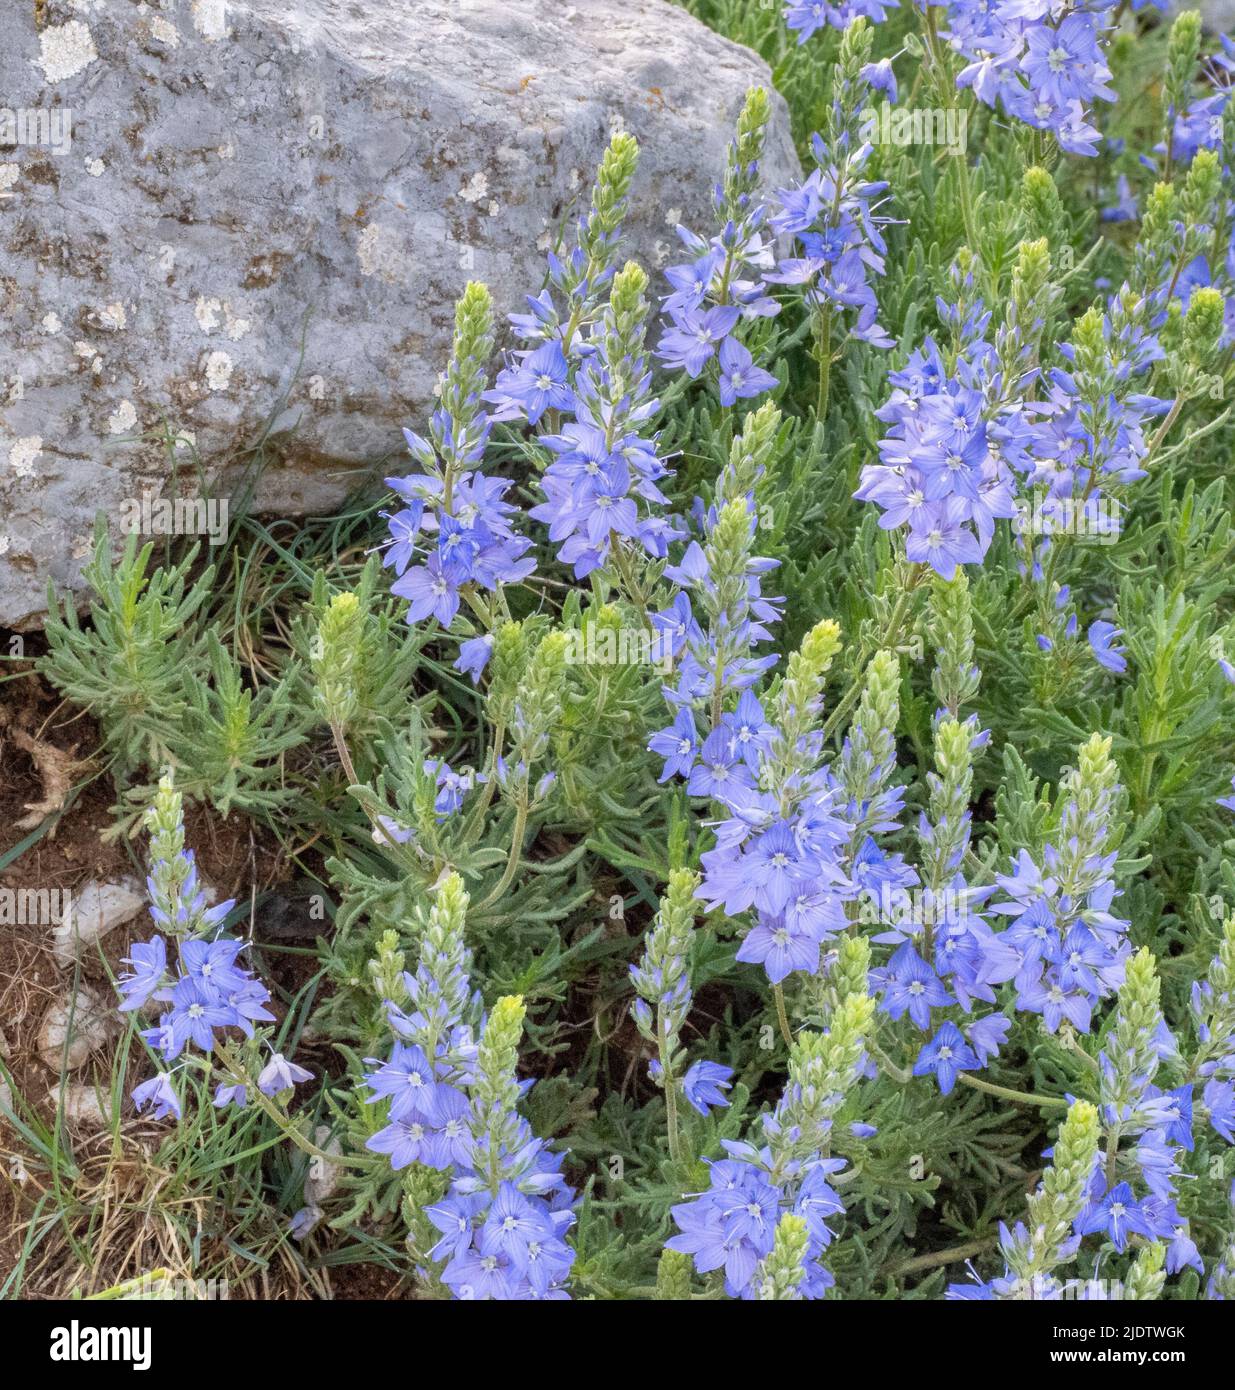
{"type": "Point", "coordinates": [769, 753]}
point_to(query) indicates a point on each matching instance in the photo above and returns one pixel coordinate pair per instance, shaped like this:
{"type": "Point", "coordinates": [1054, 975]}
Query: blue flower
{"type": "Point", "coordinates": [406, 1142]}
{"type": "Point", "coordinates": [304, 1222]}
{"type": "Point", "coordinates": [911, 986]}
{"type": "Point", "coordinates": [539, 383]}
{"type": "Point", "coordinates": [474, 656]}
{"type": "Point", "coordinates": [280, 1075]}
{"type": "Point", "coordinates": [988, 1035]}
{"type": "Point", "coordinates": [738, 374]}
{"type": "Point", "coordinates": [235, 1094]}
{"type": "Point", "coordinates": [1101, 637]}
{"type": "Point", "coordinates": [196, 1012]}
{"type": "Point", "coordinates": [678, 745]}
{"type": "Point", "coordinates": [730, 1227]}
{"type": "Point", "coordinates": [159, 1093]}
{"type": "Point", "coordinates": [945, 1057]}
{"type": "Point", "coordinates": [781, 947]}
{"type": "Point", "coordinates": [1118, 1214]}
{"type": "Point", "coordinates": [695, 337]}
{"type": "Point", "coordinates": [409, 1079]}
{"type": "Point", "coordinates": [429, 592]}
{"type": "Point", "coordinates": [149, 962]}
{"type": "Point", "coordinates": [704, 1085]}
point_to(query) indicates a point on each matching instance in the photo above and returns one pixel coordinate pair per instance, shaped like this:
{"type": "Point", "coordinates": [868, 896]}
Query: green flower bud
{"type": "Point", "coordinates": [473, 346]}
{"type": "Point", "coordinates": [507, 664]}
{"type": "Point", "coordinates": [1063, 1193]}
{"type": "Point", "coordinates": [1130, 1047]}
{"type": "Point", "coordinates": [385, 969]}
{"type": "Point", "coordinates": [673, 1273]}
{"type": "Point", "coordinates": [617, 168]}
{"type": "Point", "coordinates": [495, 1093]}
{"type": "Point", "coordinates": [666, 960]}
{"type": "Point", "coordinates": [538, 700]}
{"type": "Point", "coordinates": [1183, 49]}
{"type": "Point", "coordinates": [823, 1067]}
{"type": "Point", "coordinates": [955, 678]}
{"type": "Point", "coordinates": [948, 811]}
{"type": "Point", "coordinates": [1147, 1275]}
{"type": "Point", "coordinates": [782, 1272]}
{"type": "Point", "coordinates": [1203, 325]}
{"type": "Point", "coordinates": [1156, 247]}
{"type": "Point", "coordinates": [871, 747]}
{"type": "Point", "coordinates": [1087, 808]}
{"type": "Point", "coordinates": [1198, 203]}
{"type": "Point", "coordinates": [335, 654]}
{"type": "Point", "coordinates": [1041, 205]}
{"type": "Point", "coordinates": [741, 171]}
{"type": "Point", "coordinates": [164, 820]}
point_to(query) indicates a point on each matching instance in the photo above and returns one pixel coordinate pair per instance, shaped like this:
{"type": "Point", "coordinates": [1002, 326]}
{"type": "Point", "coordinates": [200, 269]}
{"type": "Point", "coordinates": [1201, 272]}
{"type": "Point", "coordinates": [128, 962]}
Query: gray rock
{"type": "Point", "coordinates": [261, 214]}
{"type": "Point", "coordinates": [98, 908]}
{"type": "Point", "coordinates": [323, 1177]}
{"type": "Point", "coordinates": [92, 1020]}
{"type": "Point", "coordinates": [83, 1105]}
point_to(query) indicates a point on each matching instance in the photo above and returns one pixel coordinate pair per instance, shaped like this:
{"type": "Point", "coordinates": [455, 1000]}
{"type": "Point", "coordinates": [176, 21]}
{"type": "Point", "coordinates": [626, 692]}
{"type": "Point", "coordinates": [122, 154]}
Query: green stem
{"type": "Point", "coordinates": [516, 850]}
{"type": "Point", "coordinates": [824, 347]}
{"type": "Point", "coordinates": [669, 1081]}
{"type": "Point", "coordinates": [948, 94]}
{"type": "Point", "coordinates": [781, 1016]}
{"type": "Point", "coordinates": [235, 1069]}
{"type": "Point", "coordinates": [854, 694]}
{"type": "Point", "coordinates": [1164, 427]}
{"type": "Point", "coordinates": [1006, 1093]}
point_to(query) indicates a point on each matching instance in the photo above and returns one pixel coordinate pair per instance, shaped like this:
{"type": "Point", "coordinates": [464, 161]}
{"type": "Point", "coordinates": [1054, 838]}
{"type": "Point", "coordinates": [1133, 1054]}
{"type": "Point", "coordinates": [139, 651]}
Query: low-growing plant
{"type": "Point", "coordinates": [770, 757]}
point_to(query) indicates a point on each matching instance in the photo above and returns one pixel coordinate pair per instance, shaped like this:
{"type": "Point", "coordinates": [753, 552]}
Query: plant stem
{"type": "Point", "coordinates": [948, 94]}
{"type": "Point", "coordinates": [782, 1017]}
{"type": "Point", "coordinates": [516, 850]}
{"type": "Point", "coordinates": [823, 338]}
{"type": "Point", "coordinates": [854, 694]}
{"type": "Point", "coordinates": [1006, 1093]}
{"type": "Point", "coordinates": [669, 1081]}
{"type": "Point", "coordinates": [955, 1255]}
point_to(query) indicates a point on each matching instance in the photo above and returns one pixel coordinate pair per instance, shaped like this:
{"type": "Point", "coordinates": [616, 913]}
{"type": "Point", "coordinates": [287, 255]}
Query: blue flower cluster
{"type": "Point", "coordinates": [602, 488]}
{"type": "Point", "coordinates": [833, 216]}
{"type": "Point", "coordinates": [209, 990]}
{"type": "Point", "coordinates": [1122, 1160]}
{"type": "Point", "coordinates": [944, 473]}
{"type": "Point", "coordinates": [964, 437]}
{"type": "Point", "coordinates": [1041, 62]}
{"type": "Point", "coordinates": [455, 520]}
{"type": "Point", "coordinates": [1199, 125]}
{"type": "Point", "coordinates": [1063, 948]}
{"type": "Point", "coordinates": [723, 283]}
{"type": "Point", "coordinates": [718, 616]}
{"type": "Point", "coordinates": [806, 17]}
{"type": "Point", "coordinates": [732, 1225]}
{"type": "Point", "coordinates": [588, 362]}
{"type": "Point", "coordinates": [452, 1108]}
{"type": "Point", "coordinates": [780, 851]}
